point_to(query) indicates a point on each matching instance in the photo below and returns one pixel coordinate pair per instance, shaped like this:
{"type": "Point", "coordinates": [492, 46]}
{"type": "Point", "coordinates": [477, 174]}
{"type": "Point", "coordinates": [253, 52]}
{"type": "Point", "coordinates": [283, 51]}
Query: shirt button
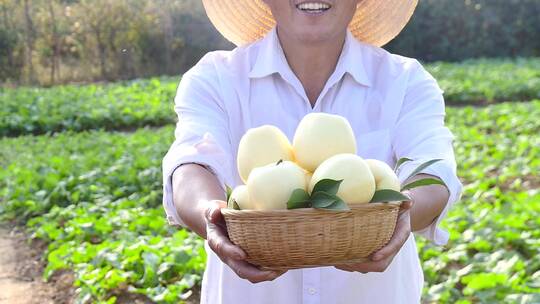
{"type": "Point", "coordinates": [312, 291]}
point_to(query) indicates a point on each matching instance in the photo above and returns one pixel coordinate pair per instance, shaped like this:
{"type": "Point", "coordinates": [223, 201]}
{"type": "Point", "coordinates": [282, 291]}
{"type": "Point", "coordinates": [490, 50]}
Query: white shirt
{"type": "Point", "coordinates": [396, 110]}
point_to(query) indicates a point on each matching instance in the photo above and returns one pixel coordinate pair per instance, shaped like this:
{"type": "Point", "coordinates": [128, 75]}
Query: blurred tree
{"type": "Point", "coordinates": [9, 65]}
{"type": "Point", "coordinates": [30, 34]}
{"type": "Point", "coordinates": [52, 41]}
{"type": "Point", "coordinates": [454, 30]}
{"type": "Point", "coordinates": [167, 29]}
{"type": "Point", "coordinates": [97, 16]}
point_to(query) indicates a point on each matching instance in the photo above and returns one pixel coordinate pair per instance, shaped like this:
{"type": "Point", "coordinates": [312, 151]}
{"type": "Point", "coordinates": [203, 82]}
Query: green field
{"type": "Point", "coordinates": [95, 197]}
{"type": "Point", "coordinates": [485, 81]}
{"type": "Point", "coordinates": [123, 105]}
{"type": "Point", "coordinates": [137, 103]}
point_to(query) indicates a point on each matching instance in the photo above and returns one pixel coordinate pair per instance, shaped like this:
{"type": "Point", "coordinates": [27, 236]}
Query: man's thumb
{"type": "Point", "coordinates": [213, 214]}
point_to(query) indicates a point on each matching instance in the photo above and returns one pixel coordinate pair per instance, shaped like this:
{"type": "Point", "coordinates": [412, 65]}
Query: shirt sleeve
{"type": "Point", "coordinates": [420, 134]}
{"type": "Point", "coordinates": [201, 134]}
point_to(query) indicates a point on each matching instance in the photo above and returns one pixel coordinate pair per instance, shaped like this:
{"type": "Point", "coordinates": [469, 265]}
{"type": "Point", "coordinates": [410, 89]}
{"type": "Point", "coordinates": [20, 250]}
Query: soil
{"type": "Point", "coordinates": [21, 280]}
{"type": "Point", "coordinates": [21, 268]}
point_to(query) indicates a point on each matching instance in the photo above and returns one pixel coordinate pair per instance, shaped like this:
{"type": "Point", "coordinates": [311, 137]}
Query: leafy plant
{"type": "Point", "coordinates": [486, 81]}
{"type": "Point", "coordinates": [114, 106]}
{"type": "Point", "coordinates": [323, 196]}
{"type": "Point", "coordinates": [95, 198]}
{"type": "Point", "coordinates": [149, 102]}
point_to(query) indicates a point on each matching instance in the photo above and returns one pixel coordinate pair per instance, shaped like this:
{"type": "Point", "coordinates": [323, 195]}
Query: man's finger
{"type": "Point", "coordinates": [351, 267]}
{"type": "Point", "coordinates": [364, 267]}
{"type": "Point", "coordinates": [251, 273]}
{"type": "Point", "coordinates": [406, 205]}
{"type": "Point", "coordinates": [392, 247]}
{"type": "Point", "coordinates": [213, 213]}
{"type": "Point", "coordinates": [401, 234]}
{"type": "Point", "coordinates": [344, 268]}
{"type": "Point", "coordinates": [220, 243]}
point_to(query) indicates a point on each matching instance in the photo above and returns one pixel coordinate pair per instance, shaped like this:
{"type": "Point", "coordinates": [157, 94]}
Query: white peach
{"type": "Point", "coordinates": [358, 185]}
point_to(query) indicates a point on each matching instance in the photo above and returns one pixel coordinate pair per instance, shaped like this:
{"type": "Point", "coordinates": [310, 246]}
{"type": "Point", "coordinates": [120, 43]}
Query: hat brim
{"type": "Point", "coordinates": [244, 21]}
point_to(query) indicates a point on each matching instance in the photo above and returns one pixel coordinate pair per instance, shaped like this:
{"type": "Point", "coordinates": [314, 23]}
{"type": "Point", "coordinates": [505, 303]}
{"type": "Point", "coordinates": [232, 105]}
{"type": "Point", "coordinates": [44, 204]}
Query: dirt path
{"type": "Point", "coordinates": [20, 273]}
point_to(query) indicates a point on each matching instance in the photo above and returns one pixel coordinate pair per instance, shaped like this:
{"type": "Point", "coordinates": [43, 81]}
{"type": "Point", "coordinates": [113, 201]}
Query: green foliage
{"type": "Point", "coordinates": [422, 182]}
{"type": "Point", "coordinates": [421, 167]}
{"type": "Point", "coordinates": [150, 102]}
{"type": "Point", "coordinates": [323, 196]}
{"type": "Point", "coordinates": [327, 185]}
{"type": "Point", "coordinates": [122, 245]}
{"type": "Point", "coordinates": [400, 162]}
{"type": "Point", "coordinates": [41, 172]}
{"type": "Point", "coordinates": [299, 199]}
{"type": "Point", "coordinates": [492, 255]}
{"type": "Point", "coordinates": [113, 106]}
{"type": "Point", "coordinates": [95, 197]}
{"type": "Point", "coordinates": [388, 195]}
{"type": "Point", "coordinates": [487, 81]}
{"type": "Point", "coordinates": [452, 30]}
{"type": "Point", "coordinates": [325, 200]}
{"type": "Point", "coordinates": [231, 203]}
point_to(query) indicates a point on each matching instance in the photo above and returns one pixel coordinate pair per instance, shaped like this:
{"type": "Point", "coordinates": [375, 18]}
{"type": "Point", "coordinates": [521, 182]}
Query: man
{"type": "Point", "coordinates": [296, 57]}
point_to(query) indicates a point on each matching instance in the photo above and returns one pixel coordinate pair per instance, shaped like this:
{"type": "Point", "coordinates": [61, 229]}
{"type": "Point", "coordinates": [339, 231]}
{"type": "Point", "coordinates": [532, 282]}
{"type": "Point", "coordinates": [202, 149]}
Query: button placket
{"type": "Point", "coordinates": [311, 286]}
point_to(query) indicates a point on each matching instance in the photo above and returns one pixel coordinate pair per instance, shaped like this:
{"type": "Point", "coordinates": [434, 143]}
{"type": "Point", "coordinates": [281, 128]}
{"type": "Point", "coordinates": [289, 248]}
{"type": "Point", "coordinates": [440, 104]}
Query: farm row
{"type": "Point", "coordinates": [95, 197]}
{"type": "Point", "coordinates": [128, 105]}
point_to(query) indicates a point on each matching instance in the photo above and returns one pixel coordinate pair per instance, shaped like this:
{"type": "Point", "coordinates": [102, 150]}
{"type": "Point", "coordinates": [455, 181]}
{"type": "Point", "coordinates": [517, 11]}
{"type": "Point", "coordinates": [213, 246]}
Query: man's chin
{"type": "Point", "coordinates": [313, 36]}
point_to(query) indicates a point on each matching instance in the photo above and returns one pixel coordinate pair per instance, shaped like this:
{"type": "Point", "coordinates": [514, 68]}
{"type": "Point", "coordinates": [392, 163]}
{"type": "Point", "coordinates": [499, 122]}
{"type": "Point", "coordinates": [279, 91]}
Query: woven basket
{"type": "Point", "coordinates": [300, 238]}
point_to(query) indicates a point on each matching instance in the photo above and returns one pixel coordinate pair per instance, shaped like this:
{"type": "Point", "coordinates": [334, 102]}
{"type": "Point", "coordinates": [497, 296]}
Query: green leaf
{"type": "Point", "coordinates": [228, 191]}
{"type": "Point", "coordinates": [232, 204]}
{"type": "Point", "coordinates": [387, 195]}
{"type": "Point", "coordinates": [422, 182]}
{"type": "Point", "coordinates": [323, 199]}
{"type": "Point", "coordinates": [422, 167]}
{"type": "Point", "coordinates": [483, 280]}
{"type": "Point", "coordinates": [400, 162]}
{"type": "Point", "coordinates": [338, 205]}
{"type": "Point", "coordinates": [299, 199]}
{"type": "Point", "coordinates": [327, 185]}
{"type": "Point", "coordinates": [151, 263]}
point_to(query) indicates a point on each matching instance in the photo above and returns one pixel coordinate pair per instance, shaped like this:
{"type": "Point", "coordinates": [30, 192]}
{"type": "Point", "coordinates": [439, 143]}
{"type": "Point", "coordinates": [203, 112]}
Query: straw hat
{"type": "Point", "coordinates": [243, 21]}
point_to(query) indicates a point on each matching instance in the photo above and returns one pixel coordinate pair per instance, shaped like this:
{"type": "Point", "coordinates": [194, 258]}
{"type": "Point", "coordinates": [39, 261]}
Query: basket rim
{"type": "Point", "coordinates": [303, 211]}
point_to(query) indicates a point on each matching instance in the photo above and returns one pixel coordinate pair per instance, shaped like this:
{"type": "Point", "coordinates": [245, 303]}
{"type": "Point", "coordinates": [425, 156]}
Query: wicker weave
{"type": "Point", "coordinates": [299, 238]}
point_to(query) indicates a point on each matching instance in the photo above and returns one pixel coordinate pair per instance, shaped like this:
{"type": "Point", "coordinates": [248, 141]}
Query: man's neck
{"type": "Point", "coordinates": [312, 63]}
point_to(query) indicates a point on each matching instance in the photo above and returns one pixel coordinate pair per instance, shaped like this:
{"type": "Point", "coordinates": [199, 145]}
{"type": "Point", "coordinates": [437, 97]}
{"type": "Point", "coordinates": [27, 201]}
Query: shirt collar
{"type": "Point", "coordinates": [271, 59]}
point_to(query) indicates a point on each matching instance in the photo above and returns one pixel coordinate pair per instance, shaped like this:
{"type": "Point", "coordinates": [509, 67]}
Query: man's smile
{"type": "Point", "coordinates": [313, 7]}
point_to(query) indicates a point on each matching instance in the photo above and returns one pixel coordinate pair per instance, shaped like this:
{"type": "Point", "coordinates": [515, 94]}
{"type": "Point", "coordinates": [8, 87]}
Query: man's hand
{"type": "Point", "coordinates": [381, 259]}
{"type": "Point", "coordinates": [230, 254]}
